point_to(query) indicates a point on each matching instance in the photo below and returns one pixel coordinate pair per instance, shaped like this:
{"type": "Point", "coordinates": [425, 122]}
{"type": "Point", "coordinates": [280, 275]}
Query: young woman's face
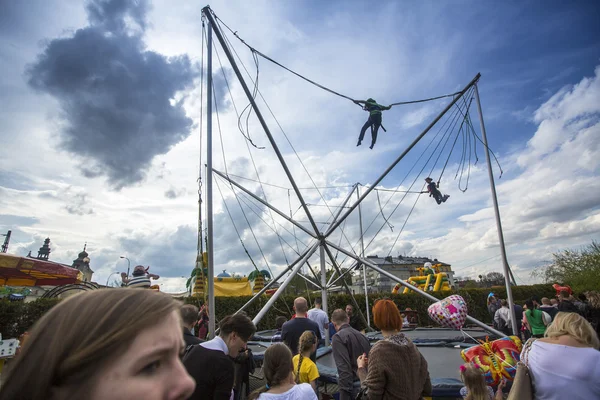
{"type": "Point", "coordinates": [150, 369]}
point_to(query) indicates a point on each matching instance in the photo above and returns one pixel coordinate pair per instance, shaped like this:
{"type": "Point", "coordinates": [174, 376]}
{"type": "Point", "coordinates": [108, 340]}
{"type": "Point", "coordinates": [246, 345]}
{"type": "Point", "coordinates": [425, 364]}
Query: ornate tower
{"type": "Point", "coordinates": [82, 263]}
{"type": "Point", "coordinates": [44, 251]}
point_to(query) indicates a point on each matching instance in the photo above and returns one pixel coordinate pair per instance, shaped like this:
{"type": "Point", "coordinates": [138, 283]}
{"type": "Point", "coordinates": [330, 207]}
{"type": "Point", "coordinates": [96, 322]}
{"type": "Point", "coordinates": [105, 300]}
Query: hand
{"type": "Point", "coordinates": [362, 361]}
{"type": "Point", "coordinates": [502, 384]}
{"type": "Point", "coordinates": [356, 102]}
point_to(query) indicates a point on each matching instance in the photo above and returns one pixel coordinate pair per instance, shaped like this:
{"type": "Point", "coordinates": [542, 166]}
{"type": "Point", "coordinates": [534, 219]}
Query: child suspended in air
{"type": "Point", "coordinates": [433, 191]}
{"type": "Point", "coordinates": [374, 121]}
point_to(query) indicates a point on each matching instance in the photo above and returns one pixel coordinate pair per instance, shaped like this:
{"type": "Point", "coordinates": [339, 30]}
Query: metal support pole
{"type": "Point", "coordinates": [207, 12]}
{"type": "Point", "coordinates": [401, 156]}
{"type": "Point", "coordinates": [309, 280]}
{"type": "Point", "coordinates": [362, 254]}
{"type": "Point", "coordinates": [285, 283]}
{"type": "Point", "coordinates": [272, 282]}
{"type": "Point", "coordinates": [411, 287]}
{"type": "Point", "coordinates": [354, 302]}
{"type": "Point", "coordinates": [498, 221]}
{"type": "Point", "coordinates": [324, 286]}
{"type": "Point", "coordinates": [339, 277]}
{"type": "Point", "coordinates": [209, 181]}
{"type": "Point", "coordinates": [249, 193]}
{"type": "Point", "coordinates": [346, 200]}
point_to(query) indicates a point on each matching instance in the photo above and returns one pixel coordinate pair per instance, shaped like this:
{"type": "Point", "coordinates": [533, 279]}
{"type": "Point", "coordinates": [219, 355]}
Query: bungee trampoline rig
{"type": "Point", "coordinates": [452, 123]}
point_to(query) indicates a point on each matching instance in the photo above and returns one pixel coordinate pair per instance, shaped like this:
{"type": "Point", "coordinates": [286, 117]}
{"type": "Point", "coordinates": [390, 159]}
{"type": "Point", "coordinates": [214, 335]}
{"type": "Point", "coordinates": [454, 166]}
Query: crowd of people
{"type": "Point", "coordinates": [143, 344]}
{"type": "Point", "coordinates": [535, 316]}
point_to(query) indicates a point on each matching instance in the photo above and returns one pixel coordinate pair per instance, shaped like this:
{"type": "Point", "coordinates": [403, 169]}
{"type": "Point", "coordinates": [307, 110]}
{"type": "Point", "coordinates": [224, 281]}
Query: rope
{"type": "Point", "coordinates": [280, 127]}
{"type": "Point", "coordinates": [250, 153]}
{"type": "Point", "coordinates": [381, 211]}
{"type": "Point", "coordinates": [257, 52]}
{"type": "Point", "coordinates": [234, 193]}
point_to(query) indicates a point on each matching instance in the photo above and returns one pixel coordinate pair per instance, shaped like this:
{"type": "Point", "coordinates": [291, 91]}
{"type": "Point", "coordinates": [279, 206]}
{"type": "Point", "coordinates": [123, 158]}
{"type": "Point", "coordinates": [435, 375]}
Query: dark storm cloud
{"type": "Point", "coordinates": [116, 97]}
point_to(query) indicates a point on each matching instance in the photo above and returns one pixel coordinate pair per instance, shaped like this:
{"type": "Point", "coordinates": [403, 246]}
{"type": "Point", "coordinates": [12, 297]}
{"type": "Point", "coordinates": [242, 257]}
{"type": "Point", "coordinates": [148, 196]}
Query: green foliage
{"type": "Point", "coordinates": [16, 317]}
{"type": "Point", "coordinates": [578, 268]}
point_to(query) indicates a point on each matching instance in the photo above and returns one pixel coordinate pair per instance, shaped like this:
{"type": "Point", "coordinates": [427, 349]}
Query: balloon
{"type": "Point", "coordinates": [450, 312]}
{"type": "Point", "coordinates": [497, 359]}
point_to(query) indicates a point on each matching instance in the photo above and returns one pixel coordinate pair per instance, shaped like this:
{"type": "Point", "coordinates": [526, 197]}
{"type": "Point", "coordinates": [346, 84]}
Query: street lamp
{"type": "Point", "coordinates": [111, 274]}
{"type": "Point", "coordinates": [128, 264]}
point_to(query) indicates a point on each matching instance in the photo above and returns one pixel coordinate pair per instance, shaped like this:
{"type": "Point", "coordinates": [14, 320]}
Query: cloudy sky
{"type": "Point", "coordinates": [100, 130]}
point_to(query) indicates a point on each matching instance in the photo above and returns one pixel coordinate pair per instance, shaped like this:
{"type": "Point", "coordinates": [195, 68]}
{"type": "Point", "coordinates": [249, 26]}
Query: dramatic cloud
{"type": "Point", "coordinates": [121, 104]}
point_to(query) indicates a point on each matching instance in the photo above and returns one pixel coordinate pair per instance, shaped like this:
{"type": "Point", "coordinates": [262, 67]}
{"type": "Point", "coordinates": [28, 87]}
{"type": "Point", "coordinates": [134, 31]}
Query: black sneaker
{"type": "Point", "coordinates": [358, 144]}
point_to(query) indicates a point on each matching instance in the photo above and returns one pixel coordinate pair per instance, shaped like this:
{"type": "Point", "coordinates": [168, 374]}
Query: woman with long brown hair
{"type": "Point", "coordinates": [103, 344]}
{"type": "Point", "coordinates": [279, 376]}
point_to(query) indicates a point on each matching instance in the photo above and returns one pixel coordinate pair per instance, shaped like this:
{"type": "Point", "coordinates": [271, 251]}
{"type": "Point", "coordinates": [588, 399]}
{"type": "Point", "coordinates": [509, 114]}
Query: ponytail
{"type": "Point", "coordinates": [254, 395]}
{"type": "Point", "coordinates": [307, 340]}
{"type": "Point", "coordinates": [298, 371]}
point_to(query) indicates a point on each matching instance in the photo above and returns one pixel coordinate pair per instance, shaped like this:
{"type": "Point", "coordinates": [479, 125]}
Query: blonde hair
{"type": "Point", "coordinates": [307, 340]}
{"type": "Point", "coordinates": [474, 381]}
{"type": "Point", "coordinates": [79, 337]}
{"type": "Point", "coordinates": [593, 298]}
{"type": "Point", "coordinates": [574, 325]}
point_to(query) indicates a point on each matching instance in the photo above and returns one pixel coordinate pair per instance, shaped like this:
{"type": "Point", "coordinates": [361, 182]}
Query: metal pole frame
{"type": "Point", "coordinates": [340, 276]}
{"type": "Point", "coordinates": [401, 156]}
{"type": "Point", "coordinates": [315, 284]}
{"type": "Point", "coordinates": [417, 290]}
{"type": "Point", "coordinates": [324, 285]}
{"type": "Point", "coordinates": [355, 303]}
{"type": "Point", "coordinates": [272, 282]}
{"type": "Point", "coordinates": [209, 192]}
{"type": "Point", "coordinates": [362, 254]}
{"type": "Point", "coordinates": [207, 12]}
{"type": "Point", "coordinates": [498, 221]}
{"type": "Point", "coordinates": [249, 193]}
{"type": "Point", "coordinates": [281, 289]}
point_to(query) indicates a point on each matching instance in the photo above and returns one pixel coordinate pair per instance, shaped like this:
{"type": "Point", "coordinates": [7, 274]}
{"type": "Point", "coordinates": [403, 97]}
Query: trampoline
{"type": "Point", "coordinates": [441, 348]}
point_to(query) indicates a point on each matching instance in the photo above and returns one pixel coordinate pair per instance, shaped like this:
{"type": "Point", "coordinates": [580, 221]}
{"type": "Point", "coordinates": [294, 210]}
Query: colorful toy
{"type": "Point", "coordinates": [450, 312]}
{"type": "Point", "coordinates": [141, 278]}
{"type": "Point", "coordinates": [559, 289]}
{"type": "Point", "coordinates": [497, 359]}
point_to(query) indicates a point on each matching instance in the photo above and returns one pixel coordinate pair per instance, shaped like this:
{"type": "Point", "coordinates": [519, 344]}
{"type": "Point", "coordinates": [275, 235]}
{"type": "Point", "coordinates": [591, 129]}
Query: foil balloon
{"type": "Point", "coordinates": [497, 359]}
{"type": "Point", "coordinates": [450, 312]}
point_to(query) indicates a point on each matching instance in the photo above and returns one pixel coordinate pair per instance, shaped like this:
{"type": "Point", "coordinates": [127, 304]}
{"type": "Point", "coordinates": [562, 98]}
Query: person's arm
{"type": "Point", "coordinates": [375, 379]}
{"type": "Point", "coordinates": [427, 387]}
{"type": "Point", "coordinates": [359, 102]}
{"type": "Point", "coordinates": [499, 394]}
{"type": "Point", "coordinates": [497, 318]}
{"type": "Point", "coordinates": [313, 375]}
{"type": "Point", "coordinates": [344, 367]}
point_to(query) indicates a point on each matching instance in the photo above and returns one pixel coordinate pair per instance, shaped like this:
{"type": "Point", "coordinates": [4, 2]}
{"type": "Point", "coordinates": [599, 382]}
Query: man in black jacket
{"type": "Point", "coordinates": [347, 345]}
{"type": "Point", "coordinates": [189, 318]}
{"type": "Point", "coordinates": [211, 363]}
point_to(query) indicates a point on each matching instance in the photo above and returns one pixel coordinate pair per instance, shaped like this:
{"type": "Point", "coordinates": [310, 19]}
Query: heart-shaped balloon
{"type": "Point", "coordinates": [450, 312]}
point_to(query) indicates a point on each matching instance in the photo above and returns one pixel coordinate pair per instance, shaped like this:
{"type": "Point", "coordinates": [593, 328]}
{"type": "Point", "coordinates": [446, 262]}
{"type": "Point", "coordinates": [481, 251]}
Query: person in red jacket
{"type": "Point", "coordinates": [433, 191]}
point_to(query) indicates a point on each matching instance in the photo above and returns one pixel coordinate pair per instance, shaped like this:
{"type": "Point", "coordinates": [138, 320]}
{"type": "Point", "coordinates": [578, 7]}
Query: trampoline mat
{"type": "Point", "coordinates": [443, 362]}
{"type": "Point", "coordinates": [417, 335]}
